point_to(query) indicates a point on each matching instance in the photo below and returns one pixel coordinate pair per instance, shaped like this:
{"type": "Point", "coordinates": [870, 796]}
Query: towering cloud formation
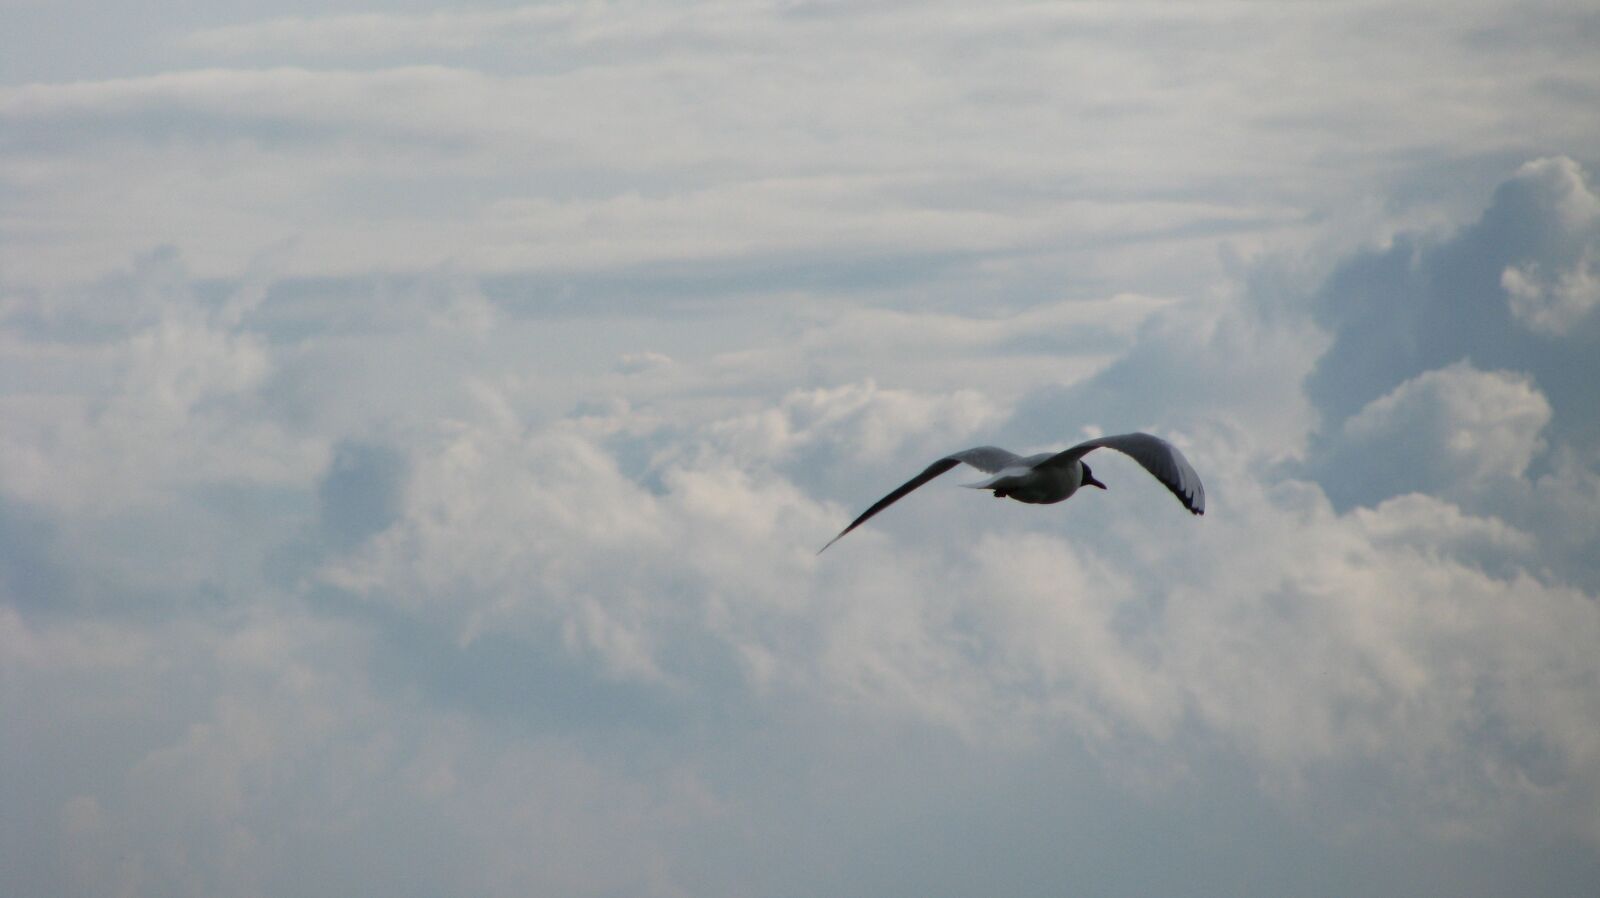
{"type": "Point", "coordinates": [1512, 291]}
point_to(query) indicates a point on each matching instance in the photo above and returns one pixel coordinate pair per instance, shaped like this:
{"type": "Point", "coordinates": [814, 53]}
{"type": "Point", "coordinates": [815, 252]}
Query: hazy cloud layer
{"type": "Point", "coordinates": [419, 426]}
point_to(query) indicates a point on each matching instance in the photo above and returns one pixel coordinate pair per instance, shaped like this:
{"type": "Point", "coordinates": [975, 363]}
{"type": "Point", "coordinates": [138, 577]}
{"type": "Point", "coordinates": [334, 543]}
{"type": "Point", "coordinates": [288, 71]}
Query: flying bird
{"type": "Point", "coordinates": [1051, 477]}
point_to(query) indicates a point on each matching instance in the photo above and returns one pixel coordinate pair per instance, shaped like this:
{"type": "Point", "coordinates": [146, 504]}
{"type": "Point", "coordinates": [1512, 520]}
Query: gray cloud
{"type": "Point", "coordinates": [1463, 366]}
{"type": "Point", "coordinates": [1420, 304]}
{"type": "Point", "coordinates": [30, 573]}
{"type": "Point", "coordinates": [1201, 364]}
{"type": "Point", "coordinates": [359, 495]}
{"type": "Point", "coordinates": [1442, 432]}
{"type": "Point", "coordinates": [497, 607]}
{"type": "Point", "coordinates": [1064, 132]}
{"type": "Point", "coordinates": [436, 511]}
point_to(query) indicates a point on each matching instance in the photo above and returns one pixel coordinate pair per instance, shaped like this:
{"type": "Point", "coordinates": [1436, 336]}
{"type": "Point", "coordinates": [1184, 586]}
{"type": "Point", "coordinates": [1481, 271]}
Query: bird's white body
{"type": "Point", "coordinates": [1035, 486]}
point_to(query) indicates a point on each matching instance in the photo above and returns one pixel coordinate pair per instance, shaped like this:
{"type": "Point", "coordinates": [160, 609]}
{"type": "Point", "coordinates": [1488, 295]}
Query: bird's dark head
{"type": "Point", "coordinates": [1088, 478]}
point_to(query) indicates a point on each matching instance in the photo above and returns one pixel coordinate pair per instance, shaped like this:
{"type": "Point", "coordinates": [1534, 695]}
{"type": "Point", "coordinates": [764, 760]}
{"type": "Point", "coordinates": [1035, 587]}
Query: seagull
{"type": "Point", "coordinates": [1048, 478]}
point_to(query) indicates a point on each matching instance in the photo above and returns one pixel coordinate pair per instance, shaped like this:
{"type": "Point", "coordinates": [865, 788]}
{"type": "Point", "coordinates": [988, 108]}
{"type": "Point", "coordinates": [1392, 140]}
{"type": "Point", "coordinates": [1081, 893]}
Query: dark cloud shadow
{"type": "Point", "coordinates": [359, 496]}
{"type": "Point", "coordinates": [31, 574]}
{"type": "Point", "coordinates": [528, 683]}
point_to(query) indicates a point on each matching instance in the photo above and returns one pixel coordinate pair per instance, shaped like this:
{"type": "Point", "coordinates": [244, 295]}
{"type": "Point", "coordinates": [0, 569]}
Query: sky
{"type": "Point", "coordinates": [418, 424]}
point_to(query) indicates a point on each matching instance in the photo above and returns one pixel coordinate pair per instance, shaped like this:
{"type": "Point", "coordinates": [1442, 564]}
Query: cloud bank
{"type": "Point", "coordinates": [419, 428]}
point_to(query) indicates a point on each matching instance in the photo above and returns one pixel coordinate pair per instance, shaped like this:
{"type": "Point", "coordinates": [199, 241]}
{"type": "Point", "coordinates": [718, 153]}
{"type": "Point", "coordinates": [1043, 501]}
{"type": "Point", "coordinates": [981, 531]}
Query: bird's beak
{"type": "Point", "coordinates": [1090, 481]}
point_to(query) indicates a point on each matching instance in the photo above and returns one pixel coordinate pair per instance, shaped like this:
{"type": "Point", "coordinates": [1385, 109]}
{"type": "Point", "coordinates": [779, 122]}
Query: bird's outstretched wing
{"type": "Point", "coordinates": [988, 459]}
{"type": "Point", "coordinates": [1159, 457]}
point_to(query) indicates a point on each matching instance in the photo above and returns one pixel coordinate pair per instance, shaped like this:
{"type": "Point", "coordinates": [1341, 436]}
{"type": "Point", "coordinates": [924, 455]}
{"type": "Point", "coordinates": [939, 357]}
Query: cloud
{"type": "Point", "coordinates": [501, 611]}
{"type": "Point", "coordinates": [359, 495]}
{"type": "Point", "coordinates": [552, 136]}
{"type": "Point", "coordinates": [171, 400]}
{"type": "Point", "coordinates": [1441, 432]}
{"type": "Point", "coordinates": [1557, 293]}
{"type": "Point", "coordinates": [1423, 304]}
{"type": "Point", "coordinates": [1186, 366]}
{"type": "Point", "coordinates": [1073, 622]}
{"type": "Point", "coordinates": [1454, 369]}
{"type": "Point", "coordinates": [439, 512]}
{"type": "Point", "coordinates": [375, 33]}
{"type": "Point", "coordinates": [1552, 306]}
{"type": "Point", "coordinates": [273, 765]}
